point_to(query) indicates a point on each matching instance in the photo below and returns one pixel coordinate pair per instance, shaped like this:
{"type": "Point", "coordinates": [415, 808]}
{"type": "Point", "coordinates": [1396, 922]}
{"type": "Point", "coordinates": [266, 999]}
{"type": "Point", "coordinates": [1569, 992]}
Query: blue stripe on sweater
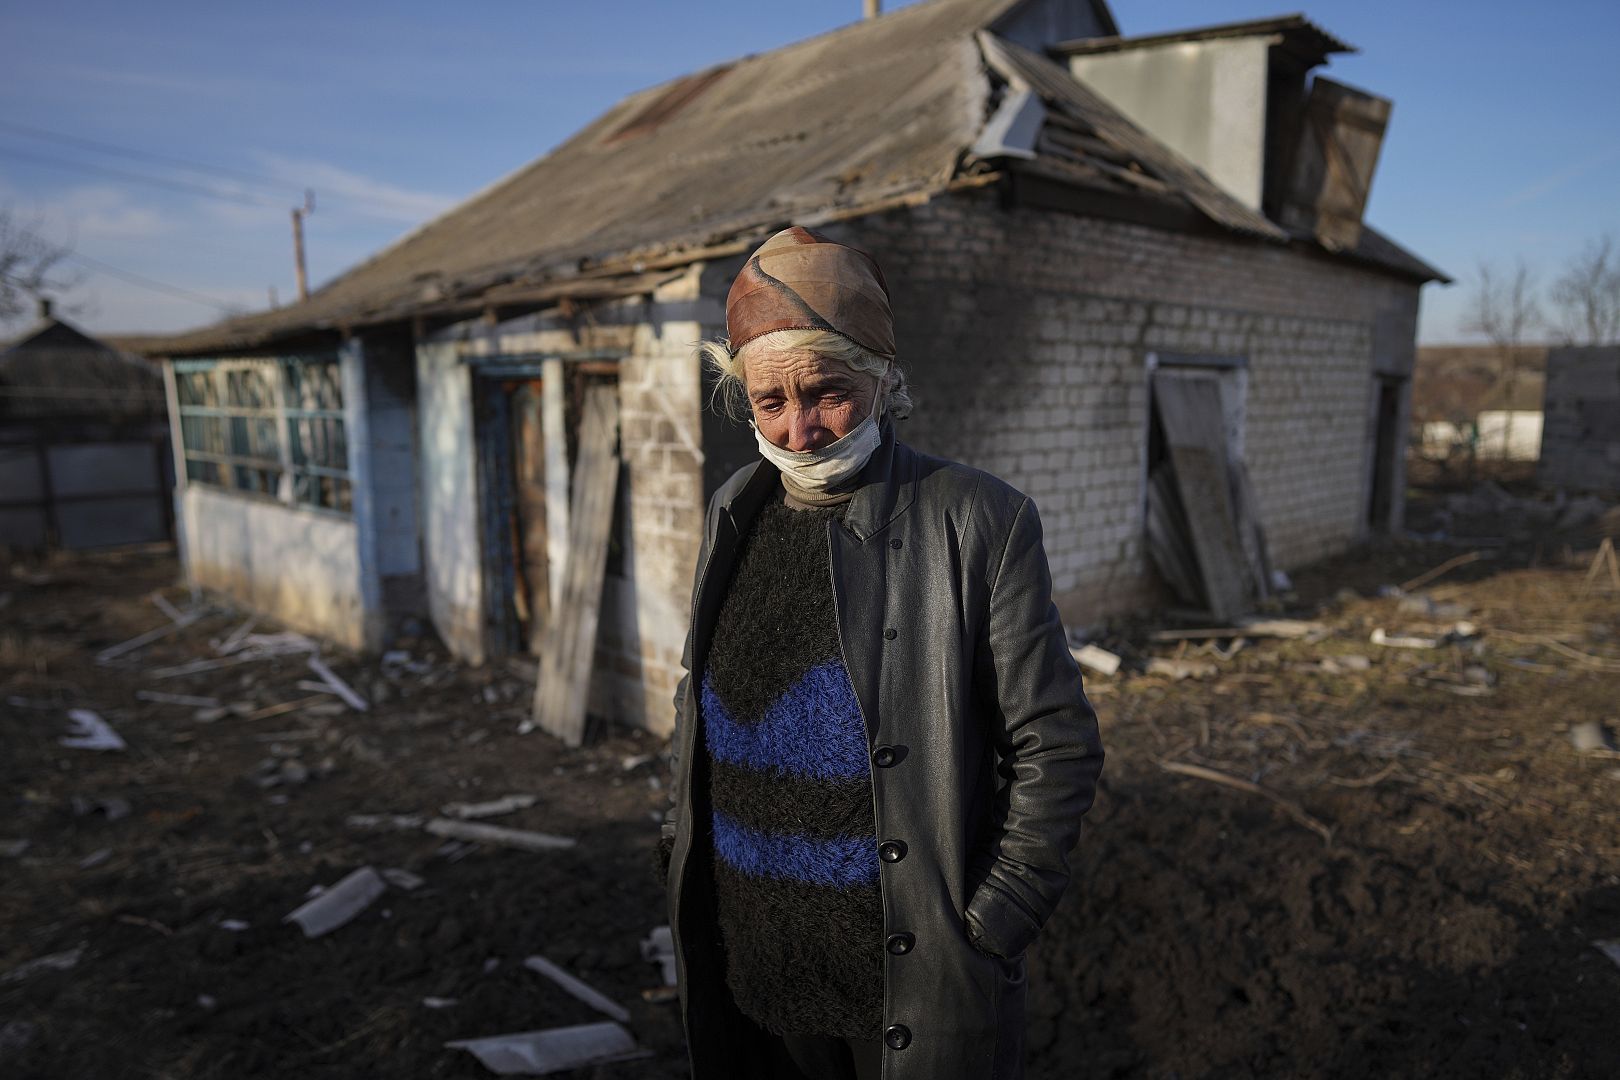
{"type": "Point", "coordinates": [841, 863]}
{"type": "Point", "coordinates": [813, 729]}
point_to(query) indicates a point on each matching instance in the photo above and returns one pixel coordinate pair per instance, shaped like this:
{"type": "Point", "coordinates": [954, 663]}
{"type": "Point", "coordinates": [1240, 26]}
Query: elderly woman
{"type": "Point", "coordinates": [883, 747]}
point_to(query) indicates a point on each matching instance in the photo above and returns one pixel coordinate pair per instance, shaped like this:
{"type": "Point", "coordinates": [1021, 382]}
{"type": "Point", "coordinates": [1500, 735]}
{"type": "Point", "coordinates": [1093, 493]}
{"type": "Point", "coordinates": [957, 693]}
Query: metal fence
{"type": "Point", "coordinates": [79, 495]}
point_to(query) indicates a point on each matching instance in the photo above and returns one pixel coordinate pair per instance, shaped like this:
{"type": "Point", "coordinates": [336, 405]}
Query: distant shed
{"type": "Point", "coordinates": [84, 459]}
{"type": "Point", "coordinates": [1580, 439]}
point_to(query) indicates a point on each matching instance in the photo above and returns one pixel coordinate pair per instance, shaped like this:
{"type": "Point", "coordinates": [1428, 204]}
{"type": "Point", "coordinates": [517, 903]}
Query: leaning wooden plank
{"type": "Point", "coordinates": [1195, 429]}
{"type": "Point", "coordinates": [540, 1053]}
{"type": "Point", "coordinates": [1170, 540]}
{"type": "Point", "coordinates": [479, 833]}
{"type": "Point", "coordinates": [569, 642]}
{"type": "Point", "coordinates": [579, 989]}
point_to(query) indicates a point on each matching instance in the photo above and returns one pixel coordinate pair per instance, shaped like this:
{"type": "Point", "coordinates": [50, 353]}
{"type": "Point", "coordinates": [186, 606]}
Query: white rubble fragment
{"type": "Point", "coordinates": [578, 989]}
{"type": "Point", "coordinates": [658, 947]}
{"type": "Point", "coordinates": [1097, 659]}
{"type": "Point", "coordinates": [95, 858]}
{"type": "Point", "coordinates": [340, 904]}
{"type": "Point", "coordinates": [403, 879]}
{"type": "Point", "coordinates": [402, 822]}
{"type": "Point", "coordinates": [540, 1053]}
{"type": "Point", "coordinates": [1399, 641]}
{"type": "Point", "coordinates": [493, 808]}
{"type": "Point", "coordinates": [636, 761]}
{"type": "Point", "coordinates": [91, 732]}
{"type": "Point", "coordinates": [235, 926]}
{"type": "Point", "coordinates": [1611, 949]}
{"type": "Point", "coordinates": [1181, 669]}
{"type": "Point", "coordinates": [495, 834]}
{"type": "Point", "coordinates": [60, 961]}
{"type": "Point", "coordinates": [1589, 736]}
{"type": "Point", "coordinates": [439, 1002]}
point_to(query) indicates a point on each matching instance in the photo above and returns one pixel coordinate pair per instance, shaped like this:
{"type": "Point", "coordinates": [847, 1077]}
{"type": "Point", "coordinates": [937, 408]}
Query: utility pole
{"type": "Point", "coordinates": [873, 8]}
{"type": "Point", "coordinates": [299, 213]}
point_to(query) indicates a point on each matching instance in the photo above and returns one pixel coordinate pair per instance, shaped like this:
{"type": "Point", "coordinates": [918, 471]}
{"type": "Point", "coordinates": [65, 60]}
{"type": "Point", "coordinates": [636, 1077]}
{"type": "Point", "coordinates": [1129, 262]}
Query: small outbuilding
{"type": "Point", "coordinates": [1580, 435]}
{"type": "Point", "coordinates": [1148, 333]}
{"type": "Point", "coordinates": [84, 442]}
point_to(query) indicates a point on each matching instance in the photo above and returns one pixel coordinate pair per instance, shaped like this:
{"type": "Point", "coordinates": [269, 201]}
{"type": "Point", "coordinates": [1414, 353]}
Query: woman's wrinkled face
{"type": "Point", "coordinates": [802, 400]}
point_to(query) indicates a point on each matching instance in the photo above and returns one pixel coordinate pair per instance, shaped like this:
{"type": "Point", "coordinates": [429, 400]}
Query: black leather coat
{"type": "Point", "coordinates": [985, 756]}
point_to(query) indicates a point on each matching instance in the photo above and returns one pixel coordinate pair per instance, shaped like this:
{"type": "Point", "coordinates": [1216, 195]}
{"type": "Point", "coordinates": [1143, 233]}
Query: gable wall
{"type": "Point", "coordinates": [1026, 333]}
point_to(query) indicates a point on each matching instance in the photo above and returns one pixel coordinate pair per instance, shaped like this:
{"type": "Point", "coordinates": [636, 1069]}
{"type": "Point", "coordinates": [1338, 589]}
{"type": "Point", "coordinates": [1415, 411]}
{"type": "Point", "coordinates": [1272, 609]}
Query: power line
{"type": "Point", "coordinates": [244, 198]}
{"type": "Point", "coordinates": [155, 285]}
{"type": "Point", "coordinates": [143, 155]}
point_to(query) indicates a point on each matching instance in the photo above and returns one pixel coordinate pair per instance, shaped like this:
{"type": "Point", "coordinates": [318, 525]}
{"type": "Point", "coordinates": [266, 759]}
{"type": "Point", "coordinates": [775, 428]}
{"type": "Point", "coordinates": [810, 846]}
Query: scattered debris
{"type": "Point", "coordinates": [113, 652]}
{"type": "Point", "coordinates": [13, 848]}
{"type": "Point", "coordinates": [206, 1001]}
{"type": "Point", "coordinates": [1605, 558]}
{"type": "Point", "coordinates": [1181, 669]}
{"type": "Point", "coordinates": [1460, 631]}
{"type": "Point", "coordinates": [235, 926]}
{"type": "Point", "coordinates": [495, 834]}
{"type": "Point", "coordinates": [403, 879]}
{"type": "Point", "coordinates": [60, 961]}
{"type": "Point", "coordinates": [658, 947]}
{"type": "Point", "coordinates": [1250, 628]}
{"type": "Point", "coordinates": [1344, 665]}
{"type": "Point", "coordinates": [1611, 949]}
{"type": "Point", "coordinates": [1097, 659]}
{"type": "Point", "coordinates": [339, 687]}
{"type": "Point", "coordinates": [237, 637]}
{"type": "Point", "coordinates": [1590, 736]}
{"type": "Point", "coordinates": [578, 989]}
{"type": "Point", "coordinates": [95, 858]}
{"type": "Point", "coordinates": [176, 699]}
{"type": "Point", "coordinates": [439, 1002]}
{"type": "Point", "coordinates": [636, 761]}
{"type": "Point", "coordinates": [91, 732]}
{"type": "Point", "coordinates": [1430, 608]}
{"type": "Point", "coordinates": [339, 905]}
{"type": "Point", "coordinates": [494, 808]}
{"type": "Point", "coordinates": [540, 1053]}
{"type": "Point", "coordinates": [1293, 809]}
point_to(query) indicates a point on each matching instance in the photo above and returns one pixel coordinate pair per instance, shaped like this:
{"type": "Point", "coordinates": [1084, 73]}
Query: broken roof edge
{"type": "Point", "coordinates": [607, 276]}
{"type": "Point", "coordinates": [1296, 23]}
{"type": "Point", "coordinates": [1380, 252]}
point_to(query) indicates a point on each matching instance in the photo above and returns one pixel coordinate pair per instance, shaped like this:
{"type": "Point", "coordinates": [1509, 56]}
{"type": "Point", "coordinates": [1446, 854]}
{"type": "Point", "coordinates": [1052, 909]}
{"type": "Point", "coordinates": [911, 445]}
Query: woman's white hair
{"type": "Point", "coordinates": [730, 393]}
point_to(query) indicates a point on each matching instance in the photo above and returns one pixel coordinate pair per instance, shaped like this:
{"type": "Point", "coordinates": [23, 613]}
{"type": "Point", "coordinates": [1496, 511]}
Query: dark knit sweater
{"type": "Point", "coordinates": [796, 867]}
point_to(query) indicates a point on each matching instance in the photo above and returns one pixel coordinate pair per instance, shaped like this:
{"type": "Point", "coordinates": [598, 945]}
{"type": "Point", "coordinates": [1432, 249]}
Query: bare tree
{"type": "Point", "coordinates": [1505, 309]}
{"type": "Point", "coordinates": [30, 267]}
{"type": "Point", "coordinates": [1587, 295]}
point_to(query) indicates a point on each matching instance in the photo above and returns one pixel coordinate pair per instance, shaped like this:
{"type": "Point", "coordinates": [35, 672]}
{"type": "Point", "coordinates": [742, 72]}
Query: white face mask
{"type": "Point", "coordinates": [820, 470]}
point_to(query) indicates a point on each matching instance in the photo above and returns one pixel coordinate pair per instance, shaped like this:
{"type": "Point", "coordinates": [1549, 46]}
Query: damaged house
{"type": "Point", "coordinates": [1129, 275]}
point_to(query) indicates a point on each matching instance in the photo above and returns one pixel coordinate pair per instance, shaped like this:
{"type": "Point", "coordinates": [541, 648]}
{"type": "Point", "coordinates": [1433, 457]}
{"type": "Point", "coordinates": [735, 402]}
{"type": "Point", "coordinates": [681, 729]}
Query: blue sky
{"type": "Point", "coordinates": [1504, 144]}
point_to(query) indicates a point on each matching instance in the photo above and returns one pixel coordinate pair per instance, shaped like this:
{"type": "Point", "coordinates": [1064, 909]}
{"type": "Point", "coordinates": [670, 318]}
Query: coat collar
{"type": "Point", "coordinates": [885, 488]}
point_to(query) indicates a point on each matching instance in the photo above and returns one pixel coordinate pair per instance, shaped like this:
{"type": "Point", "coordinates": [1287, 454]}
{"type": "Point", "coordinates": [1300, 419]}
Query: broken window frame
{"type": "Point", "coordinates": [267, 427]}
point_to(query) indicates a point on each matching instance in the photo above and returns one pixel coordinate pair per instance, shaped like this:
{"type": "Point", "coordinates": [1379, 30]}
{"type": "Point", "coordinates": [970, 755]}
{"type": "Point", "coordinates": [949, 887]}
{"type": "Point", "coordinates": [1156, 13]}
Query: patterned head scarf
{"type": "Point", "coordinates": [801, 280]}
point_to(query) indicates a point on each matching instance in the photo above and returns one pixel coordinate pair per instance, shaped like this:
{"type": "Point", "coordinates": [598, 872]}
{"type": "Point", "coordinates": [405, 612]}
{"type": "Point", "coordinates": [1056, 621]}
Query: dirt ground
{"type": "Point", "coordinates": [1415, 889]}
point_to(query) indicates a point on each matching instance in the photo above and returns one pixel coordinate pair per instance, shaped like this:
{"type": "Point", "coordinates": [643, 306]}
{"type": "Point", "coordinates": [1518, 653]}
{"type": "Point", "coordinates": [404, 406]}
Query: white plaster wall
{"type": "Point", "coordinates": [449, 500]}
{"type": "Point", "coordinates": [298, 565]}
{"type": "Point", "coordinates": [1205, 99]}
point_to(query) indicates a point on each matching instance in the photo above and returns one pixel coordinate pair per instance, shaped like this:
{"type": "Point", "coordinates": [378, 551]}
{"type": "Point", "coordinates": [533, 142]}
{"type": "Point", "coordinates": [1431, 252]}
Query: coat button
{"type": "Point", "coordinates": [900, 944]}
{"type": "Point", "coordinates": [890, 634]}
{"type": "Point", "coordinates": [884, 756]}
{"type": "Point", "coordinates": [895, 544]}
{"type": "Point", "coordinates": [897, 1037]}
{"type": "Point", "coordinates": [891, 851]}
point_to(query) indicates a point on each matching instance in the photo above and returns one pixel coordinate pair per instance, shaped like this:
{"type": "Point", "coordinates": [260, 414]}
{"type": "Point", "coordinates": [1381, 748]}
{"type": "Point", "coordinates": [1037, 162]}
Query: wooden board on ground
{"type": "Point", "coordinates": [570, 638]}
{"type": "Point", "coordinates": [1194, 428]}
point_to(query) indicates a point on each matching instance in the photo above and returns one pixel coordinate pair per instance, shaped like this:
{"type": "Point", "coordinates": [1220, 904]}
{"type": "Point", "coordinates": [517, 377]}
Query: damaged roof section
{"type": "Point", "coordinates": [879, 113]}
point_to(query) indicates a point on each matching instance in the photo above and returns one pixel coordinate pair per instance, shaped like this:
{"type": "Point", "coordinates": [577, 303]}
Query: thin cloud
{"type": "Point", "coordinates": [355, 192]}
